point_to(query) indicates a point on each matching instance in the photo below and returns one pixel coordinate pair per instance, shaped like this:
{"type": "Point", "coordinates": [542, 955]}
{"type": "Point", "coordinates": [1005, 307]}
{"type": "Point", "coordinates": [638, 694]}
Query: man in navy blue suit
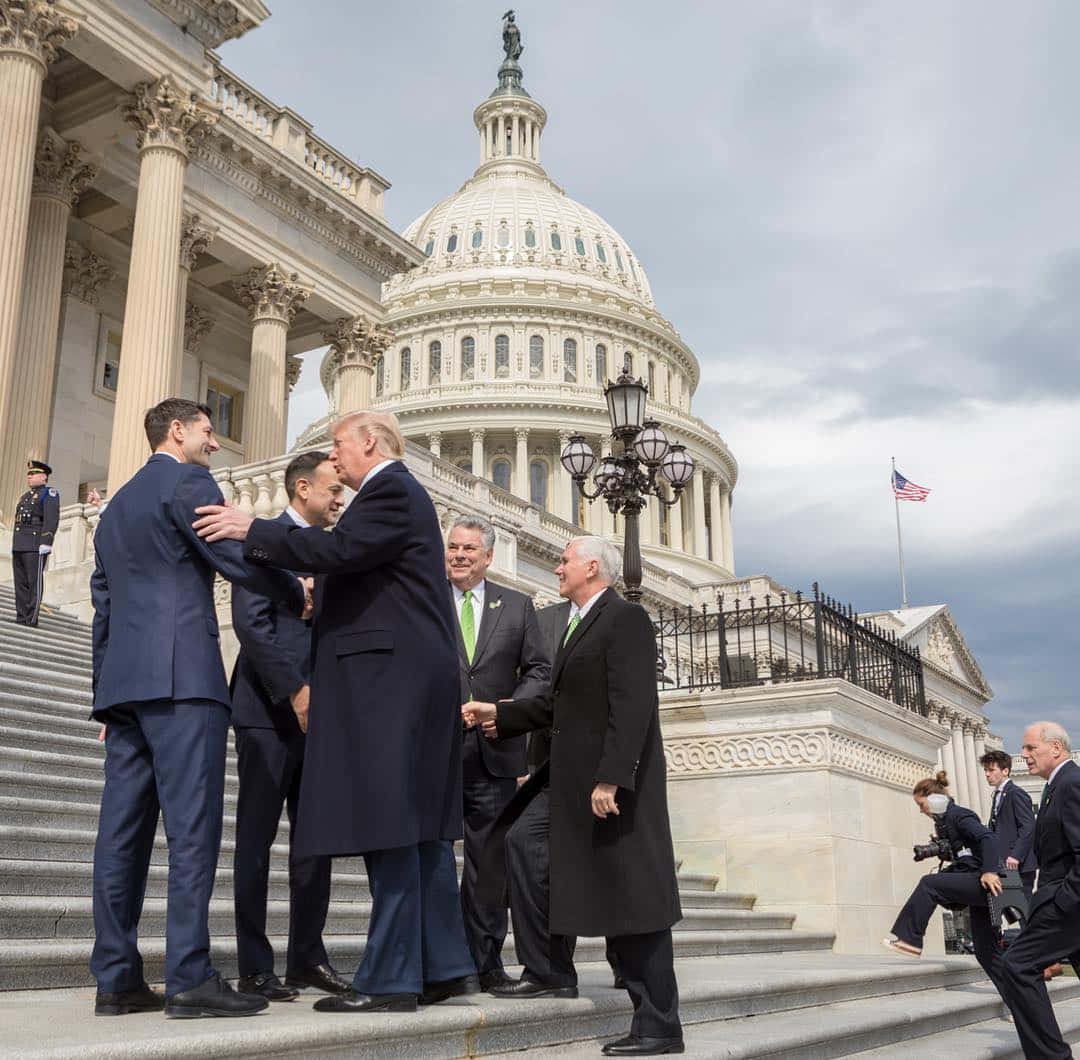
{"type": "Point", "coordinates": [270, 694]}
{"type": "Point", "coordinates": [1012, 817]}
{"type": "Point", "coordinates": [159, 685]}
{"type": "Point", "coordinates": [382, 773]}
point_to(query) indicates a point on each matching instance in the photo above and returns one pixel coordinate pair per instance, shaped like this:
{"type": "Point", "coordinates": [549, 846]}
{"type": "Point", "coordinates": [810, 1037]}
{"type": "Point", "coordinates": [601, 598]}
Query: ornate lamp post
{"type": "Point", "coordinates": [626, 479]}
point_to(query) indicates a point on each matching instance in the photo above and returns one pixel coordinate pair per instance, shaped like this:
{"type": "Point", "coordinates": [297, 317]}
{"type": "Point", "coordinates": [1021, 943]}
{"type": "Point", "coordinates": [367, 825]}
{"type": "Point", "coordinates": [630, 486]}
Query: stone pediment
{"type": "Point", "coordinates": [943, 646]}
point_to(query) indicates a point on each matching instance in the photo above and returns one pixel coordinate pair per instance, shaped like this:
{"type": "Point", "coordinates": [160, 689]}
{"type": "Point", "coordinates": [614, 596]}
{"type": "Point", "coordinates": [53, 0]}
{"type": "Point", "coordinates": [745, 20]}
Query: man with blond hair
{"type": "Point", "coordinates": [1053, 925]}
{"type": "Point", "coordinates": [382, 772]}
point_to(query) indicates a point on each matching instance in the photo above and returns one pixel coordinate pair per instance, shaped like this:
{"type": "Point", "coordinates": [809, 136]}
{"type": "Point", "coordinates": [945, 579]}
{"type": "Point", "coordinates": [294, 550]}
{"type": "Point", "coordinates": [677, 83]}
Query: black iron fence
{"type": "Point", "coordinates": [784, 638]}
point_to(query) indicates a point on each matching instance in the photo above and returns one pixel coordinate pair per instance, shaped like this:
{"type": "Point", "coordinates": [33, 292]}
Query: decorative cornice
{"type": "Point", "coordinates": [210, 22]}
{"type": "Point", "coordinates": [293, 365]}
{"type": "Point", "coordinates": [58, 169]}
{"type": "Point", "coordinates": [198, 323]}
{"type": "Point", "coordinates": [195, 239]}
{"type": "Point", "coordinates": [35, 28]}
{"type": "Point", "coordinates": [270, 293]}
{"type": "Point", "coordinates": [163, 116]}
{"type": "Point", "coordinates": [85, 273]}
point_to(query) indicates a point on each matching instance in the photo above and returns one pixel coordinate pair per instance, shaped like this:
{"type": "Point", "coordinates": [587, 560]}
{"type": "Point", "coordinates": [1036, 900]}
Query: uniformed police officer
{"type": "Point", "coordinates": [37, 516]}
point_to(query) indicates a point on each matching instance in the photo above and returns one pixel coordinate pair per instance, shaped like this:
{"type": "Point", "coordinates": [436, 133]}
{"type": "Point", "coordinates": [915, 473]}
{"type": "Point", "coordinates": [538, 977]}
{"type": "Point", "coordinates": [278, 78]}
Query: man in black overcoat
{"type": "Point", "coordinates": [502, 656]}
{"type": "Point", "coordinates": [1052, 929]}
{"type": "Point", "coordinates": [382, 770]}
{"type": "Point", "coordinates": [612, 864]}
{"type": "Point", "coordinates": [270, 701]}
{"type": "Point", "coordinates": [1012, 817]}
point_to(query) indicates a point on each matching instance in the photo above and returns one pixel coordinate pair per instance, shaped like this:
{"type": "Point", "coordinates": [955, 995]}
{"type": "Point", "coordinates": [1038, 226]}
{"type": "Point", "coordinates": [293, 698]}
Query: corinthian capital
{"type": "Point", "coordinates": [271, 293]}
{"type": "Point", "coordinates": [354, 340]}
{"type": "Point", "coordinates": [36, 28]}
{"type": "Point", "coordinates": [163, 116]}
{"type": "Point", "coordinates": [195, 239]}
{"type": "Point", "coordinates": [58, 169]}
{"type": "Point", "coordinates": [293, 365]}
{"type": "Point", "coordinates": [84, 273]}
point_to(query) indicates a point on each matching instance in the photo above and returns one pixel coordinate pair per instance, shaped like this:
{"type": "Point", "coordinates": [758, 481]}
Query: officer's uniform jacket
{"type": "Point", "coordinates": [37, 515]}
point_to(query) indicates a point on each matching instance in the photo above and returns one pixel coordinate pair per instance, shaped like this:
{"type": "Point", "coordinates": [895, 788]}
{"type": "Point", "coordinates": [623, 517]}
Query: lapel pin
{"type": "Point", "coordinates": [495, 603]}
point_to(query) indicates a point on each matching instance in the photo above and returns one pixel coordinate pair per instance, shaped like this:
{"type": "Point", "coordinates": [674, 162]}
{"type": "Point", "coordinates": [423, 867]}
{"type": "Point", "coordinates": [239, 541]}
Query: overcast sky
{"type": "Point", "coordinates": [863, 219]}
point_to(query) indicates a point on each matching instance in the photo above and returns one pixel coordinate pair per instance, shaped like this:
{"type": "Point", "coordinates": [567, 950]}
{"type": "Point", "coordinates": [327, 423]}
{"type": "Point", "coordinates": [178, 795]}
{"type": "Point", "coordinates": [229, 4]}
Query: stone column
{"type": "Point", "coordinates": [479, 466]}
{"type": "Point", "coordinates": [31, 32]}
{"type": "Point", "coordinates": [961, 790]}
{"type": "Point", "coordinates": [985, 799]}
{"type": "Point", "coordinates": [521, 463]}
{"type": "Point", "coordinates": [561, 507]}
{"type": "Point", "coordinates": [716, 520]}
{"type": "Point", "coordinates": [435, 443]}
{"type": "Point", "coordinates": [976, 782]}
{"type": "Point", "coordinates": [675, 527]}
{"type": "Point", "coordinates": [195, 237]}
{"type": "Point", "coordinates": [500, 146]}
{"type": "Point", "coordinates": [699, 512]}
{"type": "Point", "coordinates": [650, 518]}
{"type": "Point", "coordinates": [59, 177]}
{"type": "Point", "coordinates": [726, 536]}
{"type": "Point", "coordinates": [167, 123]}
{"type": "Point", "coordinates": [947, 758]}
{"type": "Point", "coordinates": [355, 343]}
{"type": "Point", "coordinates": [272, 297]}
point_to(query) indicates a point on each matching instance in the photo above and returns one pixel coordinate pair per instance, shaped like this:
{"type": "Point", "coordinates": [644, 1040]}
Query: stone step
{"type": "Point", "coordinates": [44, 653]}
{"type": "Point", "coordinates": [68, 669]}
{"type": "Point", "coordinates": [54, 637]}
{"type": "Point", "coordinates": [63, 689]}
{"type": "Point", "coordinates": [50, 619]}
{"type": "Point", "coordinates": [717, 994]}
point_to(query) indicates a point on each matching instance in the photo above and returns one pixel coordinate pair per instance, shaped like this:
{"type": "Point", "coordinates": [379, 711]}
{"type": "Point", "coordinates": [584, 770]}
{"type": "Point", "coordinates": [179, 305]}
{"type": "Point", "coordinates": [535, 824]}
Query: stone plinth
{"type": "Point", "coordinates": [801, 794]}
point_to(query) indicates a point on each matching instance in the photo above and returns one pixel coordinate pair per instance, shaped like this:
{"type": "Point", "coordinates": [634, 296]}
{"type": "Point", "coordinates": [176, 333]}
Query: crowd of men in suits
{"type": "Point", "coordinates": [1043, 848]}
{"type": "Point", "coordinates": [392, 700]}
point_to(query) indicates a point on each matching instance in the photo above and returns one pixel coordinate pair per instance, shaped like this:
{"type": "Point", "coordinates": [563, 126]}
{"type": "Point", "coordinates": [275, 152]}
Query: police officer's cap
{"type": "Point", "coordinates": [34, 467]}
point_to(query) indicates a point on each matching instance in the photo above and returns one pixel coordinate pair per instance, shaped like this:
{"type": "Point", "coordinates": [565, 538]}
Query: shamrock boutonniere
{"type": "Point", "coordinates": [494, 604]}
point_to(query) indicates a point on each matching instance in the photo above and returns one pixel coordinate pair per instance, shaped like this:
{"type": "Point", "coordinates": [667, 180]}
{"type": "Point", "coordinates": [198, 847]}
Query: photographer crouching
{"type": "Point", "coordinates": [971, 850]}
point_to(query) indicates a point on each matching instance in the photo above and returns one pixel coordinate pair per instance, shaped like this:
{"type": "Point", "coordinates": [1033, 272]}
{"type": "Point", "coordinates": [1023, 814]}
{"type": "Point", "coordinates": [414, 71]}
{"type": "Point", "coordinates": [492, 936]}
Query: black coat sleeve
{"type": "Point", "coordinates": [976, 835]}
{"type": "Point", "coordinates": [99, 596]}
{"type": "Point", "coordinates": [255, 625]}
{"type": "Point", "coordinates": [534, 665]}
{"type": "Point", "coordinates": [1024, 814]}
{"type": "Point", "coordinates": [50, 513]}
{"type": "Point", "coordinates": [516, 716]}
{"type": "Point", "coordinates": [631, 683]}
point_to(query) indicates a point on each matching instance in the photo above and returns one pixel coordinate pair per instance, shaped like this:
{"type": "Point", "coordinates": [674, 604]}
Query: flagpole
{"type": "Point", "coordinates": [899, 539]}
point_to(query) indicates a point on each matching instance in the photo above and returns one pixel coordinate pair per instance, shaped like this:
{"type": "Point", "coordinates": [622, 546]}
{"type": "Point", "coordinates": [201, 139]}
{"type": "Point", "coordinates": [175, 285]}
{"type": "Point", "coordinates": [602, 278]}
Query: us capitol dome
{"type": "Point", "coordinates": [497, 348]}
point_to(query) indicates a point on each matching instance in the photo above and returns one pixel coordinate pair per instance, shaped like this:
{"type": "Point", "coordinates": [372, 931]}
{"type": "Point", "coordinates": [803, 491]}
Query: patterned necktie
{"type": "Point", "coordinates": [468, 625]}
{"type": "Point", "coordinates": [571, 627]}
{"type": "Point", "coordinates": [994, 809]}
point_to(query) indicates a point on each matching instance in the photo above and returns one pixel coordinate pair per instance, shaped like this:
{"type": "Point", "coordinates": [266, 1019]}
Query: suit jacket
{"type": "Point", "coordinates": [1057, 842]}
{"type": "Point", "coordinates": [155, 627]}
{"type": "Point", "coordinates": [510, 661]}
{"type": "Point", "coordinates": [616, 876]}
{"type": "Point", "coordinates": [966, 830]}
{"type": "Point", "coordinates": [382, 764]}
{"type": "Point", "coordinates": [274, 659]}
{"type": "Point", "coordinates": [1014, 827]}
{"type": "Point", "coordinates": [552, 620]}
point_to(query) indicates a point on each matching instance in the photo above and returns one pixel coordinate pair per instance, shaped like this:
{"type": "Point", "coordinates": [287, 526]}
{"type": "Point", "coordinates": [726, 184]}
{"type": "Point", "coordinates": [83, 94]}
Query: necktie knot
{"type": "Point", "coordinates": [468, 624]}
{"type": "Point", "coordinates": [571, 627]}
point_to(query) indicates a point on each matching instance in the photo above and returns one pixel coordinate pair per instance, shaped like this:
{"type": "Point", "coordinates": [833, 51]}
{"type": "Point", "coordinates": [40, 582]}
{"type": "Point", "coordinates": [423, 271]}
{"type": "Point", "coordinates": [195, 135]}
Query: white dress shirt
{"type": "Point", "coordinates": [477, 602]}
{"type": "Point", "coordinates": [296, 517]}
{"type": "Point", "coordinates": [373, 472]}
{"type": "Point", "coordinates": [582, 611]}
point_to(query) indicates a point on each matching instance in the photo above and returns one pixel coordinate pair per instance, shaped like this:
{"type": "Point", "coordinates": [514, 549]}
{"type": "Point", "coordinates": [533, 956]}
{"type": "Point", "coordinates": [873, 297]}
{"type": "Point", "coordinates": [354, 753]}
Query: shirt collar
{"type": "Point", "coordinates": [1057, 769]}
{"type": "Point", "coordinates": [373, 472]}
{"type": "Point", "coordinates": [477, 595]}
{"type": "Point", "coordinates": [582, 611]}
{"type": "Point", "coordinates": [1004, 784]}
{"type": "Point", "coordinates": [296, 517]}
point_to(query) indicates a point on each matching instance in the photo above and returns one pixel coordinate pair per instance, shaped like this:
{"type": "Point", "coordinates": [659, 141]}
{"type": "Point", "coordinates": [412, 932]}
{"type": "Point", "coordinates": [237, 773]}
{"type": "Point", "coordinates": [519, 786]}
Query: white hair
{"type": "Point", "coordinates": [608, 559]}
{"type": "Point", "coordinates": [1051, 730]}
{"type": "Point", "coordinates": [476, 522]}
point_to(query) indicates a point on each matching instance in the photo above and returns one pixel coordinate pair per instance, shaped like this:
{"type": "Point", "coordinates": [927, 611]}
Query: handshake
{"type": "Point", "coordinates": [474, 713]}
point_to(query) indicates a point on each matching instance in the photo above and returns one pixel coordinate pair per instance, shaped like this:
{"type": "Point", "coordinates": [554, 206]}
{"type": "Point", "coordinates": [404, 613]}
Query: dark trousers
{"type": "Point", "coordinates": [28, 569]}
{"type": "Point", "coordinates": [269, 764]}
{"type": "Point", "coordinates": [953, 888]}
{"type": "Point", "coordinates": [1048, 936]}
{"type": "Point", "coordinates": [416, 935]}
{"type": "Point", "coordinates": [170, 755]}
{"type": "Point", "coordinates": [485, 797]}
{"type": "Point", "coordinates": [645, 962]}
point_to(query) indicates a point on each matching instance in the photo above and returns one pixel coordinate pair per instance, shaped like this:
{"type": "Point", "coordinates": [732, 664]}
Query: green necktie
{"type": "Point", "coordinates": [468, 625]}
{"type": "Point", "coordinates": [571, 627]}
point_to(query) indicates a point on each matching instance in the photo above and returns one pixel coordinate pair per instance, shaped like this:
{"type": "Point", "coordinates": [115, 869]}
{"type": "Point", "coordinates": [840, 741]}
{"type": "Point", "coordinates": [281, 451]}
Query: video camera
{"type": "Point", "coordinates": [940, 845]}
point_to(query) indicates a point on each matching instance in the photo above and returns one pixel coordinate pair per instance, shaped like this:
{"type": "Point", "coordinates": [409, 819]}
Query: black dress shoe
{"type": "Point", "coordinates": [436, 992]}
{"type": "Point", "coordinates": [619, 983]}
{"type": "Point", "coordinates": [528, 988]}
{"type": "Point", "coordinates": [213, 998]}
{"type": "Point", "coordinates": [269, 985]}
{"type": "Point", "coordinates": [496, 977]}
{"type": "Point", "coordinates": [319, 976]}
{"type": "Point", "coordinates": [125, 1001]}
{"type": "Point", "coordinates": [632, 1045]}
{"type": "Point", "coordinates": [354, 1002]}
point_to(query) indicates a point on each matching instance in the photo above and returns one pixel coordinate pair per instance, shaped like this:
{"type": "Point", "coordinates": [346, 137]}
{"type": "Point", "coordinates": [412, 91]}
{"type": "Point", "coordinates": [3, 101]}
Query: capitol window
{"type": "Point", "coordinates": [226, 408]}
{"type": "Point", "coordinates": [451, 243]}
{"type": "Point", "coordinates": [618, 261]}
{"type": "Point", "coordinates": [601, 364]}
{"type": "Point", "coordinates": [405, 375]}
{"type": "Point", "coordinates": [380, 371]}
{"type": "Point", "coordinates": [500, 474]}
{"type": "Point", "coordinates": [434, 363]}
{"type": "Point", "coordinates": [556, 240]}
{"type": "Point", "coordinates": [502, 356]}
{"type": "Point", "coordinates": [530, 235]}
{"type": "Point", "coordinates": [503, 237]}
{"type": "Point", "coordinates": [468, 358]}
{"type": "Point", "coordinates": [633, 271]}
{"type": "Point", "coordinates": [600, 252]}
{"type": "Point", "coordinates": [538, 483]}
{"type": "Point", "coordinates": [652, 380]}
{"type": "Point", "coordinates": [109, 342]}
{"type": "Point", "coordinates": [429, 248]}
{"type": "Point", "coordinates": [477, 238]}
{"type": "Point", "coordinates": [569, 356]}
{"type": "Point", "coordinates": [579, 246]}
{"type": "Point", "coordinates": [536, 357]}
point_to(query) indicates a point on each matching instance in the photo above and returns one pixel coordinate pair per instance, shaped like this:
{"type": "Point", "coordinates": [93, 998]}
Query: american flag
{"type": "Point", "coordinates": [908, 491]}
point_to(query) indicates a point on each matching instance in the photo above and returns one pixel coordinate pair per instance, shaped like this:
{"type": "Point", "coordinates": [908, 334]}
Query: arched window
{"type": "Point", "coordinates": [538, 483]}
{"type": "Point", "coordinates": [380, 371]}
{"type": "Point", "coordinates": [502, 356]}
{"type": "Point", "coordinates": [530, 235]}
{"type": "Point", "coordinates": [536, 357]}
{"type": "Point", "coordinates": [451, 243]}
{"type": "Point", "coordinates": [468, 358]}
{"type": "Point", "coordinates": [434, 363]}
{"type": "Point", "coordinates": [556, 239]}
{"type": "Point", "coordinates": [652, 380]}
{"type": "Point", "coordinates": [465, 465]}
{"type": "Point", "coordinates": [500, 474]}
{"type": "Point", "coordinates": [633, 271]}
{"type": "Point", "coordinates": [601, 364]}
{"type": "Point", "coordinates": [600, 252]}
{"type": "Point", "coordinates": [477, 238]}
{"type": "Point", "coordinates": [502, 237]}
{"type": "Point", "coordinates": [579, 246]}
{"type": "Point", "coordinates": [569, 357]}
{"type": "Point", "coordinates": [618, 261]}
{"type": "Point", "coordinates": [429, 248]}
{"type": "Point", "coordinates": [406, 368]}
